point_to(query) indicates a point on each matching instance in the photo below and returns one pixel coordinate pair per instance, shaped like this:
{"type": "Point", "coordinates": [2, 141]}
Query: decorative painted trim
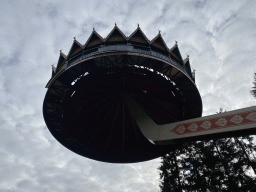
{"type": "Point", "coordinates": [226, 121]}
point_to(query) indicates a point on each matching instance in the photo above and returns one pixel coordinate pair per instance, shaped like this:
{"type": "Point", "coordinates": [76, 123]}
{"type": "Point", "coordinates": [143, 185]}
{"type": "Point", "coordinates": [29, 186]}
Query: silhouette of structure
{"type": "Point", "coordinates": [85, 109]}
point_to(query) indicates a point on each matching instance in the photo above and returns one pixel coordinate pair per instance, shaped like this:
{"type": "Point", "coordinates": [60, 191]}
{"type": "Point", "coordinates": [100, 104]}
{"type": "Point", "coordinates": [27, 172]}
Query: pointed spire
{"type": "Point", "coordinates": [194, 74]}
{"type": "Point", "coordinates": [186, 64]}
{"type": "Point", "coordinates": [63, 55]}
{"type": "Point", "coordinates": [62, 59]}
{"type": "Point", "coordinates": [186, 61]}
{"type": "Point", "coordinates": [76, 47]}
{"type": "Point", "coordinates": [174, 46]}
{"type": "Point", "coordinates": [53, 68]}
{"type": "Point", "coordinates": [138, 36]}
{"type": "Point", "coordinates": [94, 39]}
{"type": "Point", "coordinates": [116, 35]}
{"type": "Point", "coordinates": [175, 52]}
{"type": "Point", "coordinates": [159, 42]}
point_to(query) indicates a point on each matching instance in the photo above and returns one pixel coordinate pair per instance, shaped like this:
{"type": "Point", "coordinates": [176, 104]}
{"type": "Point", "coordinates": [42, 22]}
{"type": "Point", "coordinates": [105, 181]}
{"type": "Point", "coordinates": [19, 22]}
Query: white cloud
{"type": "Point", "coordinates": [219, 36]}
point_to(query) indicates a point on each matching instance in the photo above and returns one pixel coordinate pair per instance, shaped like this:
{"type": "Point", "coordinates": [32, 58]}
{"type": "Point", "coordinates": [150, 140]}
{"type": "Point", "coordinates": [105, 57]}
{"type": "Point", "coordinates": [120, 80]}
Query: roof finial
{"type": "Point", "coordinates": [176, 42]}
{"type": "Point", "coordinates": [115, 23]}
{"type": "Point", "coordinates": [61, 51]}
{"type": "Point", "coordinates": [194, 73]}
{"type": "Point", "coordinates": [159, 31]}
{"type": "Point", "coordinates": [138, 24]}
{"type": "Point", "coordinates": [93, 28]}
{"type": "Point", "coordinates": [75, 38]}
{"type": "Point", "coordinates": [187, 56]}
{"type": "Point", "coordinates": [53, 68]}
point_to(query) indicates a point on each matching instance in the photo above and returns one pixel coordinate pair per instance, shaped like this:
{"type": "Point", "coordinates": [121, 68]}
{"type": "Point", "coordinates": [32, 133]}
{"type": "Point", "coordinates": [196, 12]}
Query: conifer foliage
{"type": "Point", "coordinates": [253, 91]}
{"type": "Point", "coordinates": [215, 165]}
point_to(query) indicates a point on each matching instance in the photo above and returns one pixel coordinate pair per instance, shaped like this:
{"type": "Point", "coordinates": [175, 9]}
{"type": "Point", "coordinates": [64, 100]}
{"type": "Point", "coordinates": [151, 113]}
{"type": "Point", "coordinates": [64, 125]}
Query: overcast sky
{"type": "Point", "coordinates": [219, 36]}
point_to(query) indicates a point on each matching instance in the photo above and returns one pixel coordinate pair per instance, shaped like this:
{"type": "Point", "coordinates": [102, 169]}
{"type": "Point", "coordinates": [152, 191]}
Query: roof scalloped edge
{"type": "Point", "coordinates": [97, 34]}
{"type": "Point", "coordinates": [63, 55]}
{"type": "Point", "coordinates": [159, 36]}
{"type": "Point", "coordinates": [115, 27]}
{"type": "Point", "coordinates": [186, 60]}
{"type": "Point", "coordinates": [74, 42]}
{"type": "Point", "coordinates": [139, 29]}
{"type": "Point", "coordinates": [174, 46]}
{"type": "Point", "coordinates": [80, 45]}
{"type": "Point", "coordinates": [125, 37]}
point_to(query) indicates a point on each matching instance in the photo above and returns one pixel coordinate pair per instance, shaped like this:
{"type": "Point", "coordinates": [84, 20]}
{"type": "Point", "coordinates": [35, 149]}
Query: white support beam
{"type": "Point", "coordinates": [233, 123]}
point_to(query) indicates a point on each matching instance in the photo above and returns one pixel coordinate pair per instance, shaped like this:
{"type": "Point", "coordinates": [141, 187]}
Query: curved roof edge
{"type": "Point", "coordinates": [117, 36]}
{"type": "Point", "coordinates": [158, 37]}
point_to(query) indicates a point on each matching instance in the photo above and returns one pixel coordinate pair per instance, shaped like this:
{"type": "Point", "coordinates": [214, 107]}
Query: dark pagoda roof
{"type": "Point", "coordinates": [94, 39]}
{"type": "Point", "coordinates": [176, 52]}
{"type": "Point", "coordinates": [75, 48]}
{"type": "Point", "coordinates": [138, 36]}
{"type": "Point", "coordinates": [158, 42]}
{"type": "Point", "coordinates": [61, 61]}
{"type": "Point", "coordinates": [187, 65]}
{"type": "Point", "coordinates": [116, 36]}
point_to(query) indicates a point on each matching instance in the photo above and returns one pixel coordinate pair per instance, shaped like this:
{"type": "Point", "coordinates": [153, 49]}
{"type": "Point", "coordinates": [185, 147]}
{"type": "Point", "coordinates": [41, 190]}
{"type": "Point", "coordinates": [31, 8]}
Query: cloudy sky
{"type": "Point", "coordinates": [219, 36]}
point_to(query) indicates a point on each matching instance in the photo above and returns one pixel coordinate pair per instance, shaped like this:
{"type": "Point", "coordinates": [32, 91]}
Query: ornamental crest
{"type": "Point", "coordinates": [252, 116]}
{"type": "Point", "coordinates": [206, 124]}
{"type": "Point", "coordinates": [181, 129]}
{"type": "Point", "coordinates": [237, 119]}
{"type": "Point", "coordinates": [221, 122]}
{"type": "Point", "coordinates": [193, 127]}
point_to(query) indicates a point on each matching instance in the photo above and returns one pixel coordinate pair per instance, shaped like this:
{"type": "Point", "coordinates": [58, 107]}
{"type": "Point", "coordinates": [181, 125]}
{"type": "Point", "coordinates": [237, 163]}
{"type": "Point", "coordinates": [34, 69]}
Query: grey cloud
{"type": "Point", "coordinates": [219, 36]}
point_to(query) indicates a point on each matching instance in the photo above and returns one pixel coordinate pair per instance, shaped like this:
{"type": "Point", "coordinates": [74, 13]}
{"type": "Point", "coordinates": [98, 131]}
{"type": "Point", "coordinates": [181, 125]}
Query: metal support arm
{"type": "Point", "coordinates": [234, 123]}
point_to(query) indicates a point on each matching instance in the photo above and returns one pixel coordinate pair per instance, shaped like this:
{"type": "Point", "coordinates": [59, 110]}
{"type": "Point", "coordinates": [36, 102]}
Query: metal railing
{"type": "Point", "coordinates": [122, 47]}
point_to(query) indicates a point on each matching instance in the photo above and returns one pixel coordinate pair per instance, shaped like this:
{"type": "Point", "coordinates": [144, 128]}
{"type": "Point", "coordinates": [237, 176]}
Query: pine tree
{"type": "Point", "coordinates": [170, 179]}
{"type": "Point", "coordinates": [213, 165]}
{"type": "Point", "coordinates": [253, 91]}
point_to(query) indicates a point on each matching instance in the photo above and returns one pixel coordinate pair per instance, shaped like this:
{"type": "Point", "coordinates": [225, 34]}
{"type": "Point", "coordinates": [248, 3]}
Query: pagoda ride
{"type": "Point", "coordinates": [109, 99]}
